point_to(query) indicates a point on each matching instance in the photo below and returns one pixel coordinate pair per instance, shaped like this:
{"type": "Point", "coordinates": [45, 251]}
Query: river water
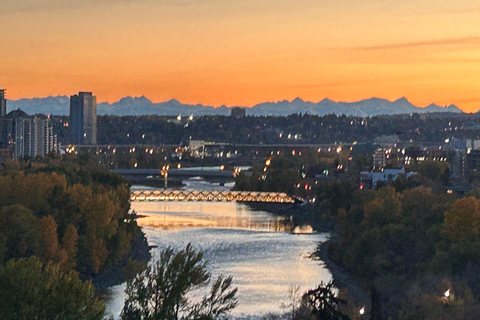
{"type": "Point", "coordinates": [250, 245]}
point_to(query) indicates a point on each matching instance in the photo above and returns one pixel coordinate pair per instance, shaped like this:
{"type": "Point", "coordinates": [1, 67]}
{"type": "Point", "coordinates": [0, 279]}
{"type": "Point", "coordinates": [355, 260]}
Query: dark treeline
{"type": "Point", "coordinates": [411, 247]}
{"type": "Point", "coordinates": [157, 130]}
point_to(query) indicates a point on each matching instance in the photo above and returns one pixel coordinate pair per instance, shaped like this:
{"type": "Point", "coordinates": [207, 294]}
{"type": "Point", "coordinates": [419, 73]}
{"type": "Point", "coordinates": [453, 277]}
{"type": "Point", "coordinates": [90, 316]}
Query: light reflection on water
{"type": "Point", "coordinates": [174, 215]}
{"type": "Point", "coordinates": [238, 242]}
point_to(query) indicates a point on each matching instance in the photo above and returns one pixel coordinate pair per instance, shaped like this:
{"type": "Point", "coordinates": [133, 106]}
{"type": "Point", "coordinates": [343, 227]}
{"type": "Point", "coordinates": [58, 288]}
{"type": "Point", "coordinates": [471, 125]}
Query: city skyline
{"type": "Point", "coordinates": [241, 53]}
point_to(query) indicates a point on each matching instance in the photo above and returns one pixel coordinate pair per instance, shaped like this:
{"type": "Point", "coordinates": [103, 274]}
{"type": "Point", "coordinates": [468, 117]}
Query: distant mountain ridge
{"type": "Point", "coordinates": [136, 106]}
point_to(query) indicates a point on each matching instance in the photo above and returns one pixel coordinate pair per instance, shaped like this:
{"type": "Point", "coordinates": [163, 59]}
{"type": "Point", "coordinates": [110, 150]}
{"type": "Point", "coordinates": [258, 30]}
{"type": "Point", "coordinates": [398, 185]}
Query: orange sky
{"type": "Point", "coordinates": [243, 52]}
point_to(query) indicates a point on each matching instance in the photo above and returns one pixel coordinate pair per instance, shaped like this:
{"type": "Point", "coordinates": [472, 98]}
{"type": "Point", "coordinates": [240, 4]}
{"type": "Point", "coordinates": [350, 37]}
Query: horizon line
{"type": "Point", "coordinates": [249, 107]}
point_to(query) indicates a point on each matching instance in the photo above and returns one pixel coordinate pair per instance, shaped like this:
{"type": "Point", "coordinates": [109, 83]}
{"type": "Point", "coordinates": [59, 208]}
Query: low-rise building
{"type": "Point", "coordinates": [370, 180]}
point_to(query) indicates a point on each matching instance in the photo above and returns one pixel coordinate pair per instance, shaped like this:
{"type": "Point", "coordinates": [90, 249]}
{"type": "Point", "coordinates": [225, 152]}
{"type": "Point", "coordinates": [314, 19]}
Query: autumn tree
{"type": "Point", "coordinates": [463, 220]}
{"type": "Point", "coordinates": [49, 238]}
{"type": "Point", "coordinates": [69, 245]}
{"type": "Point", "coordinates": [162, 291]}
{"type": "Point", "coordinates": [384, 209]}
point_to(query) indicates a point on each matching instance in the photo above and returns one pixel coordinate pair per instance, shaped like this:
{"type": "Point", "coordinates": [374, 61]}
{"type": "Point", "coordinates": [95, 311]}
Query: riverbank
{"type": "Point", "coordinates": [298, 215]}
{"type": "Point", "coordinates": [134, 262]}
{"type": "Point", "coordinates": [343, 279]}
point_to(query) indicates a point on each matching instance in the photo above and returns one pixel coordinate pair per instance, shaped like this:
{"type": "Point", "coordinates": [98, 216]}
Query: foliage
{"type": "Point", "coordinates": [392, 239]}
{"type": "Point", "coordinates": [162, 291]}
{"type": "Point", "coordinates": [62, 212]}
{"type": "Point", "coordinates": [218, 302]}
{"type": "Point", "coordinates": [324, 303]}
{"type": "Point", "coordinates": [19, 226]}
{"type": "Point", "coordinates": [463, 220]}
{"type": "Point", "coordinates": [30, 289]}
{"type": "Point", "coordinates": [293, 174]}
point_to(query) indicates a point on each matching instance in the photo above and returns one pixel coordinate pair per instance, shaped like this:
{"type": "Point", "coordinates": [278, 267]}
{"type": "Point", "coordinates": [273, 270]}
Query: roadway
{"type": "Point", "coordinates": [175, 173]}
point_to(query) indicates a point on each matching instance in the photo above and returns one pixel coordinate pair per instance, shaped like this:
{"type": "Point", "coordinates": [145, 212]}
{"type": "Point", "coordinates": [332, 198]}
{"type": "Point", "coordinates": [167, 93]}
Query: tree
{"type": "Point", "coordinates": [463, 220]}
{"type": "Point", "coordinates": [162, 290]}
{"type": "Point", "coordinates": [20, 228]}
{"type": "Point", "coordinates": [30, 289]}
{"type": "Point", "coordinates": [69, 245]}
{"type": "Point", "coordinates": [218, 302]}
{"type": "Point", "coordinates": [323, 302]}
{"type": "Point", "coordinates": [49, 240]}
{"type": "Point", "coordinates": [293, 302]}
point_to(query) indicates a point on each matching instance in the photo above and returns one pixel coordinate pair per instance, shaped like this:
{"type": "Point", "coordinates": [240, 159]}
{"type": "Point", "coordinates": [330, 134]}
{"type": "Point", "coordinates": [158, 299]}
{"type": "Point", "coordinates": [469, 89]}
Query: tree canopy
{"type": "Point", "coordinates": [163, 290]}
{"type": "Point", "coordinates": [31, 289]}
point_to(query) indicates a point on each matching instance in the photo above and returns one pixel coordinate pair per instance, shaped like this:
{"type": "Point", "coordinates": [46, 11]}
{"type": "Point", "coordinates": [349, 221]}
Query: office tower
{"type": "Point", "coordinates": [3, 103]}
{"type": "Point", "coordinates": [83, 119]}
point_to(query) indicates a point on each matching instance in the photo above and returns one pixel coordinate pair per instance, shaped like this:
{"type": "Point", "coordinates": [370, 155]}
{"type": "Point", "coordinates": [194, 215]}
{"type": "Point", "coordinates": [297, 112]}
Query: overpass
{"type": "Point", "coordinates": [211, 196]}
{"type": "Point", "coordinates": [187, 173]}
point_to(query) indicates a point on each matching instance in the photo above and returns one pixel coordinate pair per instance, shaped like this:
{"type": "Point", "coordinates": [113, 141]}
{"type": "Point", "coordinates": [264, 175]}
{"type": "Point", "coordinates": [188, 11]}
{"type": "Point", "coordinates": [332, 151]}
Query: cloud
{"type": "Point", "coordinates": [33, 6]}
{"type": "Point", "coordinates": [17, 6]}
{"type": "Point", "coordinates": [406, 45]}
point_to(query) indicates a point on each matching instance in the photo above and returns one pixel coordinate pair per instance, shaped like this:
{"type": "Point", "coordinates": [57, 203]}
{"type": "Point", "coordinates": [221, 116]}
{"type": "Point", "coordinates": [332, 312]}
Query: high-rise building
{"type": "Point", "coordinates": [237, 112]}
{"type": "Point", "coordinates": [3, 103]}
{"type": "Point", "coordinates": [44, 140]}
{"type": "Point", "coordinates": [27, 136]}
{"type": "Point", "coordinates": [22, 135]}
{"type": "Point", "coordinates": [83, 118]}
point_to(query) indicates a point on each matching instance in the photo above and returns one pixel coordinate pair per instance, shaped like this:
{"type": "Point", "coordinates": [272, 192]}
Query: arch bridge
{"type": "Point", "coordinates": [197, 195]}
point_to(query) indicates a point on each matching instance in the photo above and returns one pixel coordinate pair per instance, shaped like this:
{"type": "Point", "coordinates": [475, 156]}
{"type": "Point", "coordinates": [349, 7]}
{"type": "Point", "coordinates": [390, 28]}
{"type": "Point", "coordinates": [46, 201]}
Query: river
{"type": "Point", "coordinates": [250, 245]}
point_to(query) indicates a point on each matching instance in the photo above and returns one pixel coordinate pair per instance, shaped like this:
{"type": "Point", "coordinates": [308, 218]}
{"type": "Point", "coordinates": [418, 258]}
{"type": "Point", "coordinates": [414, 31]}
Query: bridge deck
{"type": "Point", "coordinates": [197, 195]}
{"type": "Point", "coordinates": [175, 172]}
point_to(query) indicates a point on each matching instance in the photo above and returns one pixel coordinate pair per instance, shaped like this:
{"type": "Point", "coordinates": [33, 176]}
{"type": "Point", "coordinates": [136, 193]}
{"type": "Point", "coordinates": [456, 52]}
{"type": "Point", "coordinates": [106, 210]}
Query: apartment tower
{"type": "Point", "coordinates": [3, 103]}
{"type": "Point", "coordinates": [83, 119]}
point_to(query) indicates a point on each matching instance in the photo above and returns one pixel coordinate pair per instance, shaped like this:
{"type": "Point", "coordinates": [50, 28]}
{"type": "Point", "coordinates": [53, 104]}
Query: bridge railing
{"type": "Point", "coordinates": [218, 196]}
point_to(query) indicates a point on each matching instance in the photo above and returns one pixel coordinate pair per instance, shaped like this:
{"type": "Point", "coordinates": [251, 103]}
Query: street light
{"type": "Point", "coordinates": [164, 172]}
{"type": "Point", "coordinates": [446, 297]}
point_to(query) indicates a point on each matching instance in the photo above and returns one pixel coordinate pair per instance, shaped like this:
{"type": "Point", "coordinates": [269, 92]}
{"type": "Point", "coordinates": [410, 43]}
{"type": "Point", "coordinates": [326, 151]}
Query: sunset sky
{"type": "Point", "coordinates": [243, 52]}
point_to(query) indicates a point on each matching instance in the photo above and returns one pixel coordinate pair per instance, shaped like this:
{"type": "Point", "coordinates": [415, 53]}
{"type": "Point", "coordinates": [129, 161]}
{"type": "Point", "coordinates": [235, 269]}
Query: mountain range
{"type": "Point", "coordinates": [135, 106]}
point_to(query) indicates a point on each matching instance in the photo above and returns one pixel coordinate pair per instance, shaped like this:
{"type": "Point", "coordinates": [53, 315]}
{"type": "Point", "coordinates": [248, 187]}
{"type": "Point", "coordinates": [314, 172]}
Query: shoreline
{"type": "Point", "coordinates": [303, 215]}
{"type": "Point", "coordinates": [296, 214]}
{"type": "Point", "coordinates": [140, 255]}
{"type": "Point", "coordinates": [343, 279]}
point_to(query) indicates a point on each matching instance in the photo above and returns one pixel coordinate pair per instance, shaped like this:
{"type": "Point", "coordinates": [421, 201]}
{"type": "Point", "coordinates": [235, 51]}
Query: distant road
{"type": "Point", "coordinates": [175, 173]}
{"type": "Point", "coordinates": [214, 144]}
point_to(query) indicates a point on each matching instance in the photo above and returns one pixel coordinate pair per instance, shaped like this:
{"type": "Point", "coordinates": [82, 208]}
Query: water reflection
{"type": "Point", "coordinates": [237, 241]}
{"type": "Point", "coordinates": [176, 215]}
